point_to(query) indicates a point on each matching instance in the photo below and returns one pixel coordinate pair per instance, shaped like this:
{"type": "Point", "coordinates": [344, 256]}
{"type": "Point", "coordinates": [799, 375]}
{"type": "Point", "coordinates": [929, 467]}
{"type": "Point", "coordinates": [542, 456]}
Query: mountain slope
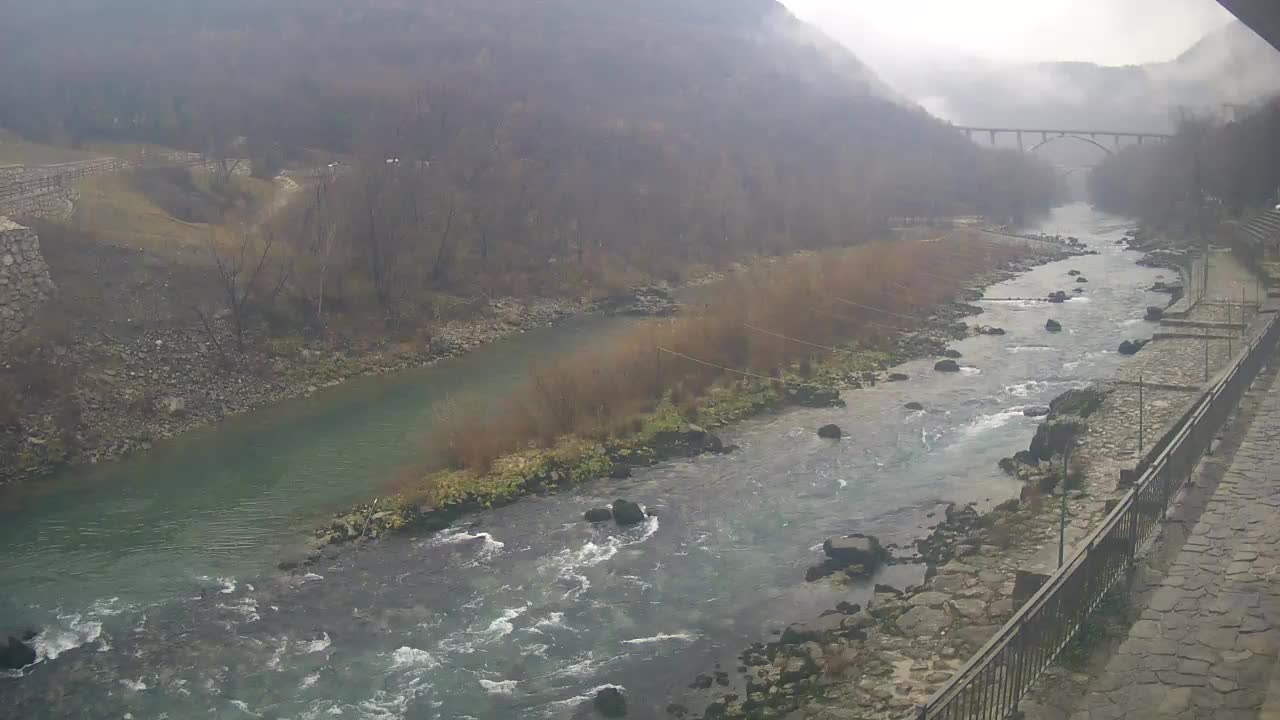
{"type": "Point", "coordinates": [637, 131]}
{"type": "Point", "coordinates": [1231, 65]}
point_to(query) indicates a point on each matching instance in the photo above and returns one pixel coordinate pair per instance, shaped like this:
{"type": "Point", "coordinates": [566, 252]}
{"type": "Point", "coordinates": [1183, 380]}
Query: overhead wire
{"type": "Point", "coordinates": [745, 373]}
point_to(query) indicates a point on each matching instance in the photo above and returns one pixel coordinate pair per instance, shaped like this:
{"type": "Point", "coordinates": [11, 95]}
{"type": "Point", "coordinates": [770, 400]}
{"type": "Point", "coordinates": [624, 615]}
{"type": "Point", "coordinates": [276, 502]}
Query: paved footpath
{"type": "Point", "coordinates": [1205, 645]}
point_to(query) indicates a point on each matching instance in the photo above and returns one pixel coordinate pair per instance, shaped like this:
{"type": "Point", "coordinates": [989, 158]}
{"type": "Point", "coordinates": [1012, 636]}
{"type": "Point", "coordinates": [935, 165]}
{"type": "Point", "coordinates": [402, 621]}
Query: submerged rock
{"type": "Point", "coordinates": [1073, 272]}
{"type": "Point", "coordinates": [610, 702]}
{"type": "Point", "coordinates": [1053, 325]}
{"type": "Point", "coordinates": [989, 330]}
{"type": "Point", "coordinates": [953, 354]}
{"type": "Point", "coordinates": [946, 366]}
{"type": "Point", "coordinates": [830, 432]}
{"type": "Point", "coordinates": [1082, 279]}
{"type": "Point", "coordinates": [596, 515]}
{"type": "Point", "coordinates": [626, 512]}
{"type": "Point", "coordinates": [16, 654]}
{"type": "Point", "coordinates": [898, 377]}
{"type": "Point", "coordinates": [913, 406]}
{"type": "Point", "coordinates": [1036, 411]}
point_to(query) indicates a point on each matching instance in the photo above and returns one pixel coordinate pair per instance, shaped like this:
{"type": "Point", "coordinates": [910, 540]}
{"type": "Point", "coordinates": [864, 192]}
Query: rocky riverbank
{"type": "Point", "coordinates": [129, 392]}
{"type": "Point", "coordinates": [884, 660]}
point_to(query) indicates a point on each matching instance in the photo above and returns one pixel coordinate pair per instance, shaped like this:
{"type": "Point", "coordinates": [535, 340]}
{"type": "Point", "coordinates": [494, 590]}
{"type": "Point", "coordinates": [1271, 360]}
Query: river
{"type": "Point", "coordinates": [153, 579]}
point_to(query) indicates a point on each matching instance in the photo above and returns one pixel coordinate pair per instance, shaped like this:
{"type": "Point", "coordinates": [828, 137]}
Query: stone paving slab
{"type": "Point", "coordinates": [1205, 642]}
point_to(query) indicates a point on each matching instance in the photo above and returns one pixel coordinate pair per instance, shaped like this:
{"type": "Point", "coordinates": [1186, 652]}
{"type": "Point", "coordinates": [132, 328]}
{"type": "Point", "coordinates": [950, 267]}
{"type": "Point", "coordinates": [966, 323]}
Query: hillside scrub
{"type": "Point", "coordinates": [806, 323]}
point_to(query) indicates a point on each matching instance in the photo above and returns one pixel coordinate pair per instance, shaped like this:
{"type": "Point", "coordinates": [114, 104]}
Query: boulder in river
{"type": "Point", "coordinates": [692, 441]}
{"type": "Point", "coordinates": [953, 354]}
{"type": "Point", "coordinates": [1131, 347]}
{"type": "Point", "coordinates": [1053, 437]}
{"type": "Point", "coordinates": [1058, 296]}
{"type": "Point", "coordinates": [1082, 279]}
{"type": "Point", "coordinates": [913, 406]}
{"type": "Point", "coordinates": [610, 702]}
{"type": "Point", "coordinates": [858, 549]}
{"type": "Point", "coordinates": [1036, 411]}
{"type": "Point", "coordinates": [626, 512]}
{"type": "Point", "coordinates": [989, 330]}
{"type": "Point", "coordinates": [946, 366]}
{"type": "Point", "coordinates": [816, 397]}
{"type": "Point", "coordinates": [1154, 314]}
{"type": "Point", "coordinates": [1081, 402]}
{"type": "Point", "coordinates": [1073, 272]}
{"type": "Point", "coordinates": [1053, 326]}
{"type": "Point", "coordinates": [897, 377]}
{"type": "Point", "coordinates": [16, 654]}
{"type": "Point", "coordinates": [830, 432]}
{"type": "Point", "coordinates": [596, 515]}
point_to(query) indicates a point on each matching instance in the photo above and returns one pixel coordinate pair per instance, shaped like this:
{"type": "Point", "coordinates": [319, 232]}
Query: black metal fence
{"type": "Point", "coordinates": [995, 679]}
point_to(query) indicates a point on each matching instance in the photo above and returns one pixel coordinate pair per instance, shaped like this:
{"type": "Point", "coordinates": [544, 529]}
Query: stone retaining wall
{"type": "Point", "coordinates": [24, 278]}
{"type": "Point", "coordinates": [57, 204]}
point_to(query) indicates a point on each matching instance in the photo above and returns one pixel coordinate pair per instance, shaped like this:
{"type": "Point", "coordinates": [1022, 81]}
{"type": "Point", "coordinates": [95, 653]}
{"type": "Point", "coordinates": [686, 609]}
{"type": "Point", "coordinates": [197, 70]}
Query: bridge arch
{"type": "Point", "coordinates": [1081, 138]}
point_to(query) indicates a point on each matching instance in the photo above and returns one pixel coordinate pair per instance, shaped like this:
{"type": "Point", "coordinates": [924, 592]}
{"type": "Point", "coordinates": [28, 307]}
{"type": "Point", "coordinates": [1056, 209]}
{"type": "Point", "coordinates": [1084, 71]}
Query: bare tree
{"type": "Point", "coordinates": [321, 221]}
{"type": "Point", "coordinates": [250, 277]}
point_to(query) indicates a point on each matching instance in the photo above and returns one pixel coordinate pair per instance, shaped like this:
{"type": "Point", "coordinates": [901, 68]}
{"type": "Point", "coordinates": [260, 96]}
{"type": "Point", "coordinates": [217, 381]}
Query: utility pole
{"type": "Point", "coordinates": [1197, 197]}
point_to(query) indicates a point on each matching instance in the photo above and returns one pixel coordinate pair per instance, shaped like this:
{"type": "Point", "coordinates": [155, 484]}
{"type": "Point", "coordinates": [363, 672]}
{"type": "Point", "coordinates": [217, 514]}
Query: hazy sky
{"type": "Point", "coordinates": [1112, 32]}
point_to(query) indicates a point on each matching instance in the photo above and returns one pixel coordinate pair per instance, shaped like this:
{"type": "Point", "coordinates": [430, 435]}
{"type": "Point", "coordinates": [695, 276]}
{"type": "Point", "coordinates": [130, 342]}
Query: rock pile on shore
{"type": "Point", "coordinates": [858, 658]}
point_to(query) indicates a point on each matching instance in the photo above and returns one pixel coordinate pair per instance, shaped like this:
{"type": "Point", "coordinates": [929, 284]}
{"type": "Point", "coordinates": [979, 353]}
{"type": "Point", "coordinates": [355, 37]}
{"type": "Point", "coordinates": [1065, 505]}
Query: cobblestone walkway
{"type": "Point", "coordinates": [1205, 645]}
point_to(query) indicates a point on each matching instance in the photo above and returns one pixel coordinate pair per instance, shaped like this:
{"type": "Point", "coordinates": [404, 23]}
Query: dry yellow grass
{"type": "Point", "coordinates": [119, 214]}
{"type": "Point", "coordinates": [817, 301]}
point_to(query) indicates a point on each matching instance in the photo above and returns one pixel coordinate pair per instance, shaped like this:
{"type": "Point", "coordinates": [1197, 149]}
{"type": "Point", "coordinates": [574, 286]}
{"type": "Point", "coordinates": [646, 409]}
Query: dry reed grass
{"type": "Point", "coordinates": [823, 299]}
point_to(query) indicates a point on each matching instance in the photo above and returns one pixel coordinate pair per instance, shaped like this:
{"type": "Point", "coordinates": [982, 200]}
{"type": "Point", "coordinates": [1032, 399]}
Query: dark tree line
{"type": "Point", "coordinates": [1231, 167]}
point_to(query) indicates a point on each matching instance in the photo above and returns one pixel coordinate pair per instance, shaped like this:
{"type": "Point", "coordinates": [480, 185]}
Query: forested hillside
{"type": "Point", "coordinates": [540, 145]}
{"type": "Point", "coordinates": [1236, 174]}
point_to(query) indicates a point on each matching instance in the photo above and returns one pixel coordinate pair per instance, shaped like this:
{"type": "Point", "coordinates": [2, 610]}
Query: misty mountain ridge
{"type": "Point", "coordinates": [1229, 66]}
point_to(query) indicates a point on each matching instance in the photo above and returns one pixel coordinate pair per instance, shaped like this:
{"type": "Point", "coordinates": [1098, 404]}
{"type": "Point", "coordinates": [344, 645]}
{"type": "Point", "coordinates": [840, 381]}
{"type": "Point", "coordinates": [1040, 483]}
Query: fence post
{"type": "Point", "coordinates": [1062, 513]}
{"type": "Point", "coordinates": [1206, 354]}
{"type": "Point", "coordinates": [1141, 420]}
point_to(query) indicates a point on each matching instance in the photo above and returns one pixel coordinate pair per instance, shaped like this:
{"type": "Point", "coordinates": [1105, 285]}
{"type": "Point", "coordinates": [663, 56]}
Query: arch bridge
{"type": "Point", "coordinates": [1041, 137]}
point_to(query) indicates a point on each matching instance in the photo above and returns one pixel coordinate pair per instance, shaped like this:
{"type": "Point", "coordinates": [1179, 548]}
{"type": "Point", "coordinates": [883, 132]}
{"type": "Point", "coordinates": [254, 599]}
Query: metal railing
{"type": "Point", "coordinates": [996, 678]}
